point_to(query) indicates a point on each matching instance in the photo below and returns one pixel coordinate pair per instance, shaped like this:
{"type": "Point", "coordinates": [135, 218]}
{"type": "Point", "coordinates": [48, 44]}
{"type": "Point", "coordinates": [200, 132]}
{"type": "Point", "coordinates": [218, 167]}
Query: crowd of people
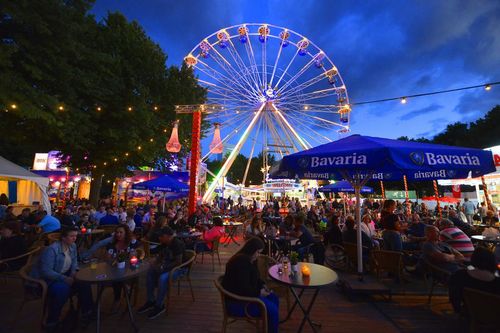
{"type": "Point", "coordinates": [442, 238]}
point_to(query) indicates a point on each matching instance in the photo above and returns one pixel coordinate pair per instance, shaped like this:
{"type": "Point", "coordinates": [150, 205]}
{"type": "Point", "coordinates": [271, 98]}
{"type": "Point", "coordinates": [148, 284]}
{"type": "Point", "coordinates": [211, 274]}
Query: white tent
{"type": "Point", "coordinates": [30, 187]}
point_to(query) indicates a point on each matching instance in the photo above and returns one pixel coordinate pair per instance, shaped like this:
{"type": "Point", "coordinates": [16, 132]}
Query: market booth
{"type": "Point", "coordinates": [22, 186]}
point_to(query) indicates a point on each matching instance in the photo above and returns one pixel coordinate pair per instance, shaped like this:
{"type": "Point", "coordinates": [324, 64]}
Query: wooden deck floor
{"type": "Point", "coordinates": [407, 313]}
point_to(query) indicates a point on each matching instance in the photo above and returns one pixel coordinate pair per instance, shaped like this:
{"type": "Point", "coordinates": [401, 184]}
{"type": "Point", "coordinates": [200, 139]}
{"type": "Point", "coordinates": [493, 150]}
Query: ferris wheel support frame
{"type": "Point", "coordinates": [229, 162]}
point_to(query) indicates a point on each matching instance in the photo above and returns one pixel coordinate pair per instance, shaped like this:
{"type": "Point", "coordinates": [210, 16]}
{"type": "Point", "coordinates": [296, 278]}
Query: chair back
{"type": "Point", "coordinates": [482, 308]}
{"type": "Point", "coordinates": [226, 296]}
{"type": "Point", "coordinates": [351, 252]}
{"type": "Point", "coordinates": [30, 283]}
{"type": "Point", "coordinates": [146, 245]}
{"type": "Point", "coordinates": [215, 245]}
{"type": "Point", "coordinates": [189, 257]}
{"type": "Point", "coordinates": [108, 229]}
{"type": "Point", "coordinates": [437, 274]}
{"type": "Point", "coordinates": [53, 237]}
{"type": "Point", "coordinates": [389, 261]}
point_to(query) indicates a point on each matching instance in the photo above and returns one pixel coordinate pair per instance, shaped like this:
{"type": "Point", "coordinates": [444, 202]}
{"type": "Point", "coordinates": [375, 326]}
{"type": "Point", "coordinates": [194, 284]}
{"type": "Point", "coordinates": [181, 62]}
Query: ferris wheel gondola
{"type": "Point", "coordinates": [276, 88]}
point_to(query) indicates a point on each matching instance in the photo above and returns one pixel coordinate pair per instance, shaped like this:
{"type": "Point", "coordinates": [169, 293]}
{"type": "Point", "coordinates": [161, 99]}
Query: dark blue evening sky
{"type": "Point", "coordinates": [382, 49]}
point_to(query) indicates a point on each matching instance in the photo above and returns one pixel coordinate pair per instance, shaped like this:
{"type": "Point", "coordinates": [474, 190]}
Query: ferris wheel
{"type": "Point", "coordinates": [272, 90]}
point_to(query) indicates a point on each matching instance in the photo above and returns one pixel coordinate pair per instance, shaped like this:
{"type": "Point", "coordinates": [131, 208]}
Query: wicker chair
{"type": "Point", "coordinates": [483, 309]}
{"type": "Point", "coordinates": [389, 261]}
{"type": "Point", "coordinates": [5, 263]}
{"type": "Point", "coordinates": [189, 256]}
{"type": "Point", "coordinates": [436, 275]}
{"type": "Point", "coordinates": [259, 322]}
{"type": "Point", "coordinates": [351, 251]}
{"type": "Point", "coordinates": [34, 289]}
{"type": "Point", "coordinates": [53, 237]}
{"type": "Point", "coordinates": [263, 264]}
{"type": "Point", "coordinates": [146, 245]}
{"type": "Point", "coordinates": [214, 251]}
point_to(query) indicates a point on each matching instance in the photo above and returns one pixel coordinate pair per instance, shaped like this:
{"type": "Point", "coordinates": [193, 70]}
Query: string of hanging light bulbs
{"type": "Point", "coordinates": [173, 145]}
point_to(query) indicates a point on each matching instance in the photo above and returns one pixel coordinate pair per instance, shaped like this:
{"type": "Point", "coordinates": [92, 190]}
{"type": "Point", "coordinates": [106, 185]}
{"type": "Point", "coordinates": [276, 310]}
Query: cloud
{"type": "Point", "coordinates": [382, 49]}
{"type": "Point", "coordinates": [416, 113]}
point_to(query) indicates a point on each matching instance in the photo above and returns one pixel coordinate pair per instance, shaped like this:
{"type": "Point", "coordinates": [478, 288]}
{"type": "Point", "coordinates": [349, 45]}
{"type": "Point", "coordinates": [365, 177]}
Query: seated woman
{"type": "Point", "coordinates": [391, 236]}
{"type": "Point", "coordinates": [57, 265]}
{"type": "Point", "coordinates": [349, 235]}
{"type": "Point", "coordinates": [333, 236]}
{"type": "Point", "coordinates": [482, 277]}
{"type": "Point", "coordinates": [12, 245]}
{"type": "Point", "coordinates": [123, 242]}
{"type": "Point", "coordinates": [209, 236]}
{"type": "Point", "coordinates": [242, 278]}
{"type": "Point", "coordinates": [254, 229]}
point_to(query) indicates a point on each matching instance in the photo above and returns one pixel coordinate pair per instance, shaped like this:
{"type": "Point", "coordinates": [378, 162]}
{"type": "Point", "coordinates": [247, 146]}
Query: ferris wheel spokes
{"type": "Point", "coordinates": [303, 85]}
{"type": "Point", "coordinates": [241, 64]}
{"type": "Point", "coordinates": [287, 68]}
{"type": "Point", "coordinates": [225, 167]}
{"type": "Point", "coordinates": [295, 77]}
{"type": "Point", "coordinates": [223, 81]}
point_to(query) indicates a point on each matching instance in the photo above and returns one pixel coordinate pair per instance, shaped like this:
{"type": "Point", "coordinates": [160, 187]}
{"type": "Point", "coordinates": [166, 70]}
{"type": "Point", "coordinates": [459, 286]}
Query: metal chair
{"type": "Point", "coordinates": [214, 251]}
{"type": "Point", "coordinates": [259, 322]}
{"type": "Point", "coordinates": [483, 309]}
{"type": "Point", "coordinates": [189, 256]}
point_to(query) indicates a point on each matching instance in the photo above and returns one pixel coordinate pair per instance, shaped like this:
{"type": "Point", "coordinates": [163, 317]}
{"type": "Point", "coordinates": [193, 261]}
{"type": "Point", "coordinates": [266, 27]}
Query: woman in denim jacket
{"type": "Point", "coordinates": [57, 265]}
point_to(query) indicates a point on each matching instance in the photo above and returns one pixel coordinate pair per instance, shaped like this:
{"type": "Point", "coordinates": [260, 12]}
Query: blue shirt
{"type": "Point", "coordinates": [108, 220]}
{"type": "Point", "coordinates": [49, 224]}
{"type": "Point", "coordinates": [99, 215]}
{"type": "Point", "coordinates": [306, 238]}
{"type": "Point", "coordinates": [138, 220]}
{"type": "Point", "coordinates": [417, 229]}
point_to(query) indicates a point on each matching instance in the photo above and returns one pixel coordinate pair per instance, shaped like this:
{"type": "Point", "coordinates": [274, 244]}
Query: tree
{"type": "Point", "coordinates": [99, 92]}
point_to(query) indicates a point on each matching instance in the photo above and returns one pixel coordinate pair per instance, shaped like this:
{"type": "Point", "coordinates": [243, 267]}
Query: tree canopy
{"type": "Point", "coordinates": [481, 133]}
{"type": "Point", "coordinates": [100, 92]}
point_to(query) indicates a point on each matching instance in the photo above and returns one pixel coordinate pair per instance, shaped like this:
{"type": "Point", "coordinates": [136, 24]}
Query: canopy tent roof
{"type": "Point", "coordinates": [384, 159]}
{"type": "Point", "coordinates": [163, 183]}
{"type": "Point", "coordinates": [11, 171]}
{"type": "Point", "coordinates": [360, 158]}
{"type": "Point", "coordinates": [343, 186]}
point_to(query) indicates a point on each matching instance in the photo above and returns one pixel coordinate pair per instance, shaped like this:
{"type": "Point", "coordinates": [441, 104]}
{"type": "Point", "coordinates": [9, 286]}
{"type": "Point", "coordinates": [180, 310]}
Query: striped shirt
{"type": "Point", "coordinates": [457, 239]}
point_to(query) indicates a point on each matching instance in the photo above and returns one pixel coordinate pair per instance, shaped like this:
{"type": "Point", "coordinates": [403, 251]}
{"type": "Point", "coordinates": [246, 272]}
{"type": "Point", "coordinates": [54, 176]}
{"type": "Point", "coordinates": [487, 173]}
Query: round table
{"type": "Point", "coordinates": [283, 244]}
{"type": "Point", "coordinates": [233, 228]}
{"type": "Point", "coordinates": [320, 276]}
{"type": "Point", "coordinates": [106, 274]}
{"type": "Point", "coordinates": [489, 239]}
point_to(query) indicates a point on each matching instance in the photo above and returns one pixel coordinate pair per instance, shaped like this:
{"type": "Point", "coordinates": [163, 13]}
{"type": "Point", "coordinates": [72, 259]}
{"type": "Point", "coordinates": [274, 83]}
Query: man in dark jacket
{"type": "Point", "coordinates": [170, 255]}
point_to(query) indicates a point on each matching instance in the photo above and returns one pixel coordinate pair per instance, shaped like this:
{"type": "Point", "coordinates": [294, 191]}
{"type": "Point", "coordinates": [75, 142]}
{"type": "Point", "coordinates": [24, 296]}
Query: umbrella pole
{"type": "Point", "coordinates": [164, 196]}
{"type": "Point", "coordinates": [357, 190]}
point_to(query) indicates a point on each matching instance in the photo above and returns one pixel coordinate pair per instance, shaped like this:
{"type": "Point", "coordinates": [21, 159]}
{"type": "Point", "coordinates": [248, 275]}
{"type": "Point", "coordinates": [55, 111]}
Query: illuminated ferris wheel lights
{"type": "Point", "coordinates": [287, 97]}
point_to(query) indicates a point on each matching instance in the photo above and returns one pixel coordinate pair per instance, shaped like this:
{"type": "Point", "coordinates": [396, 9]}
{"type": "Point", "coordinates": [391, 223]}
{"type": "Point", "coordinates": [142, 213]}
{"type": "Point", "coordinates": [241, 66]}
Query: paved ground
{"type": "Point", "coordinates": [407, 312]}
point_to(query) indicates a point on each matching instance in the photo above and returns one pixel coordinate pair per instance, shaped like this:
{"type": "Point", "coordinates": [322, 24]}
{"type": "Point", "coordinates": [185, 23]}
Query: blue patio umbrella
{"type": "Point", "coordinates": [163, 183]}
{"type": "Point", "coordinates": [343, 186]}
{"type": "Point", "coordinates": [358, 159]}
